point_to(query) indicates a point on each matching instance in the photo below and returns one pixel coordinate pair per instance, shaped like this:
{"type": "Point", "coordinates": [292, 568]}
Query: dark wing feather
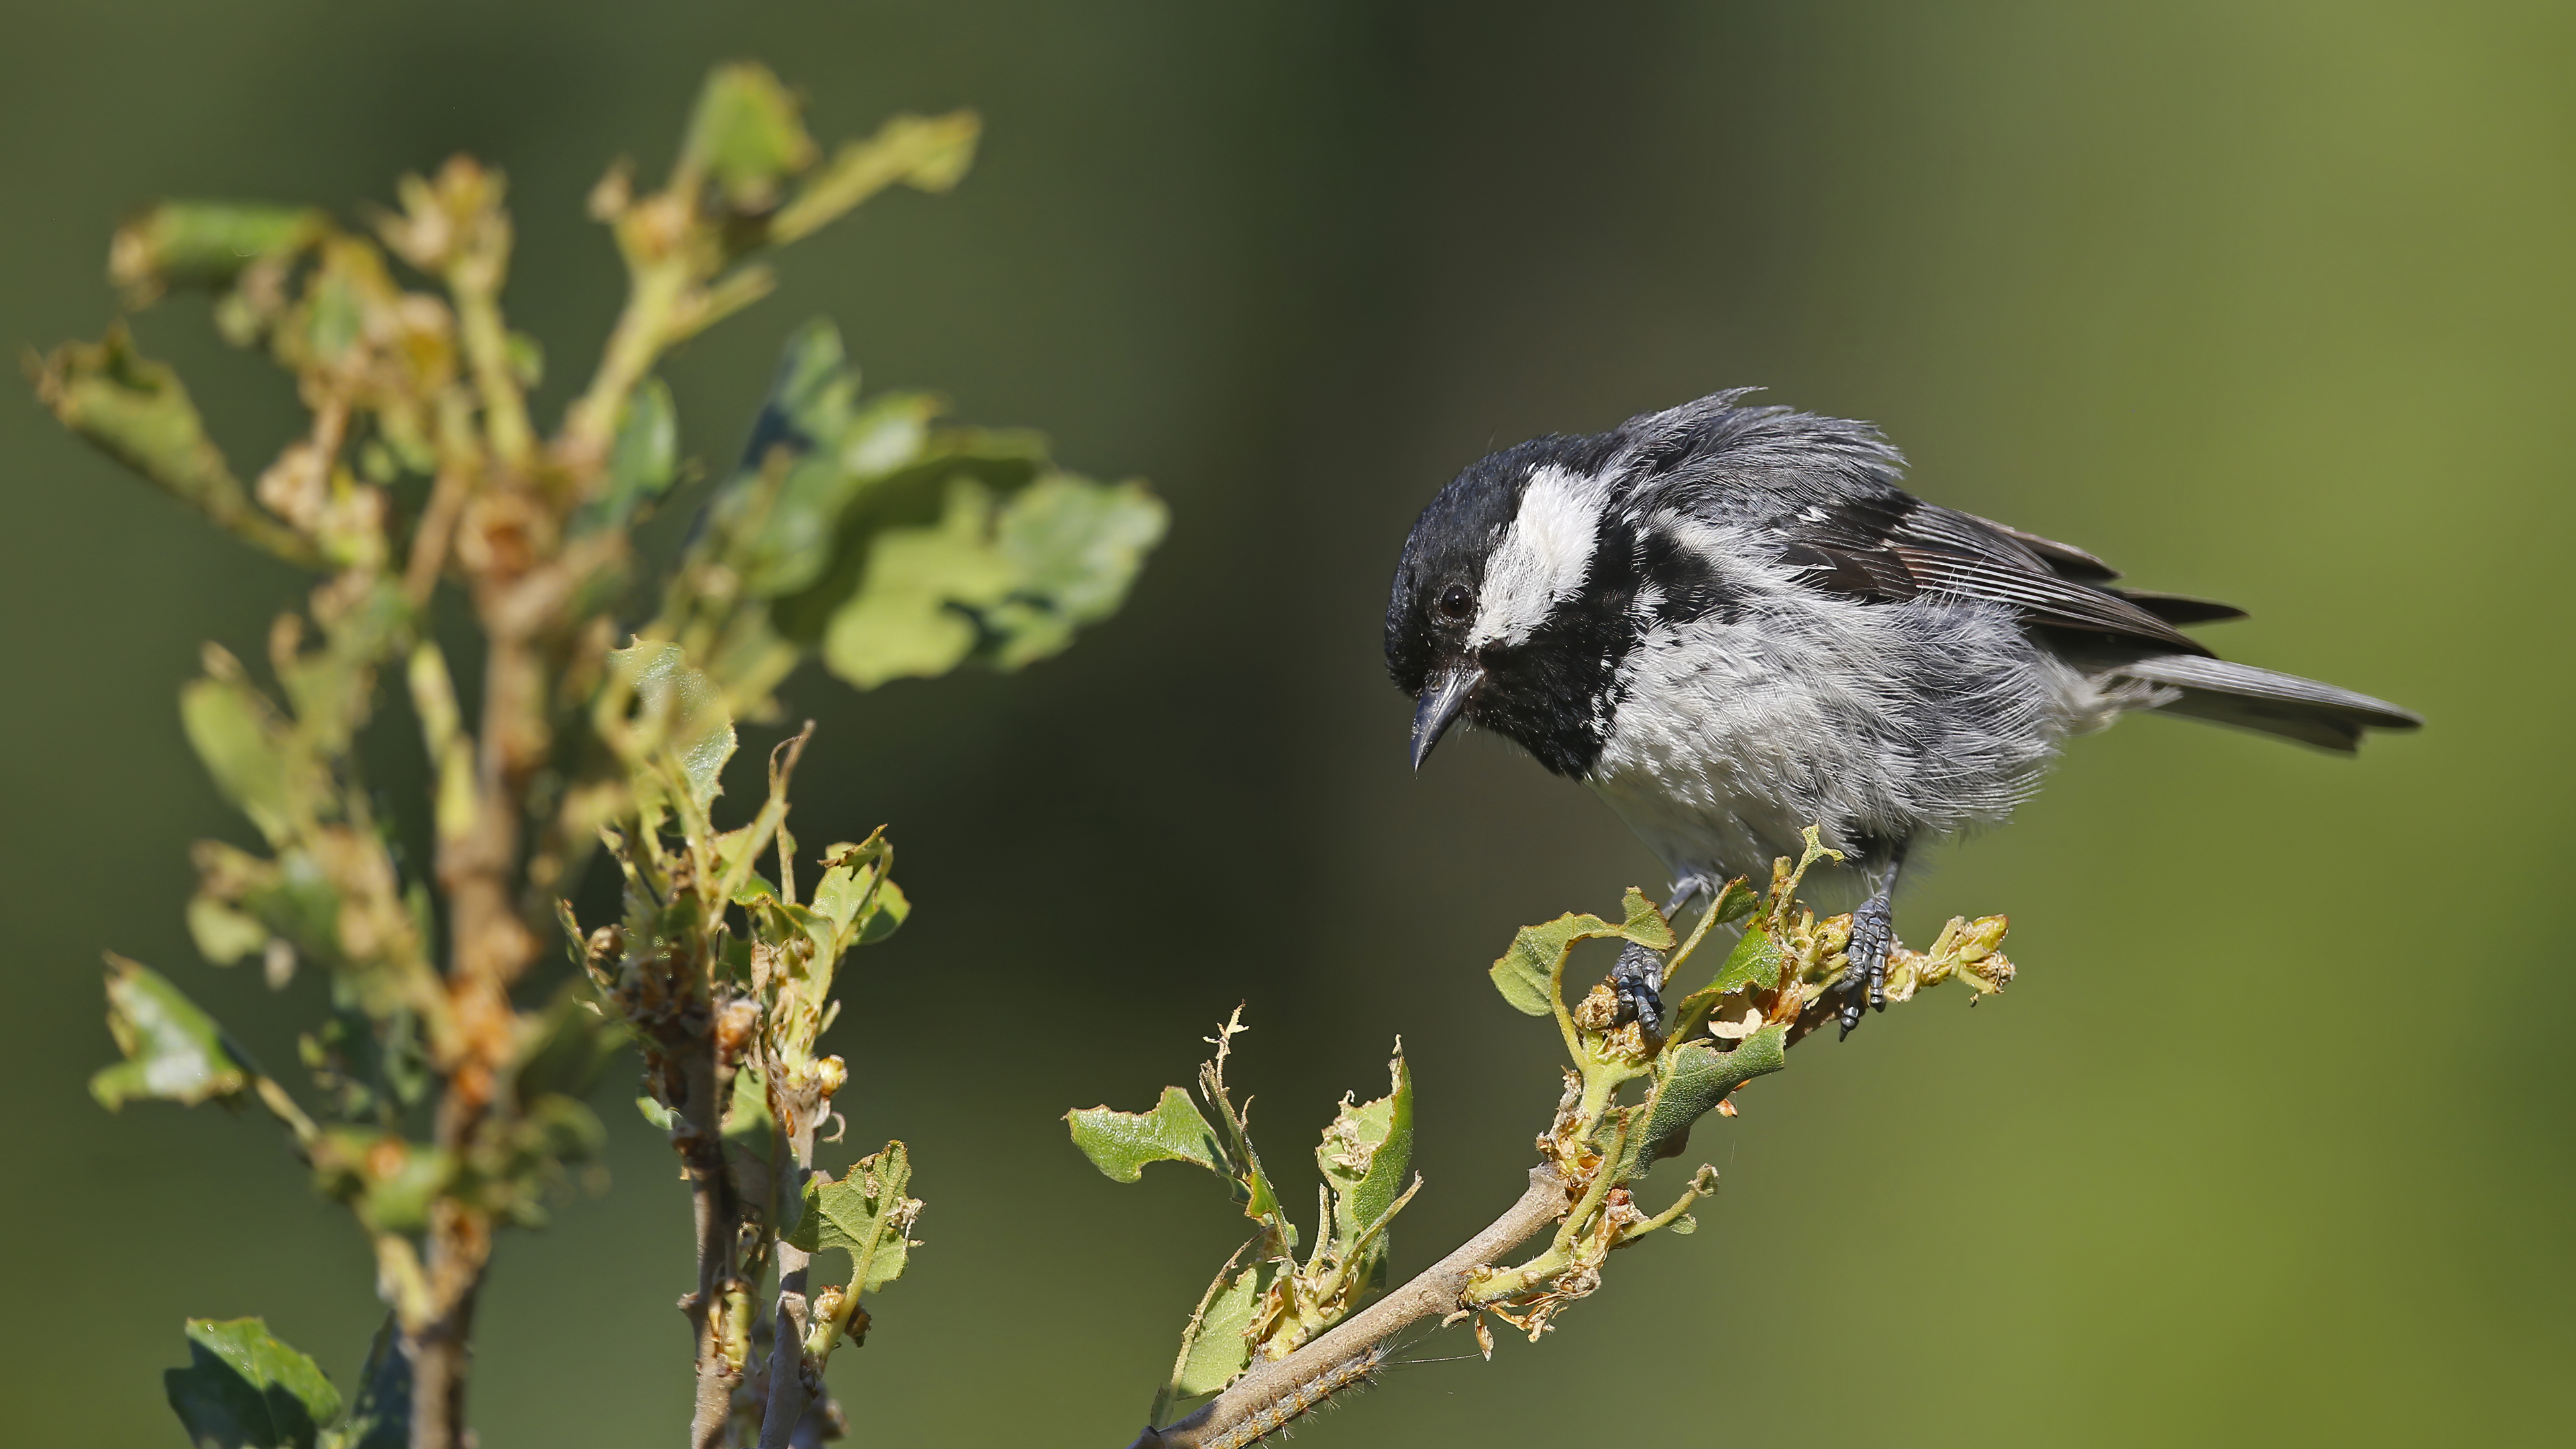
{"type": "Point", "coordinates": [2181, 608]}
{"type": "Point", "coordinates": [1826, 489]}
{"type": "Point", "coordinates": [2066, 558]}
{"type": "Point", "coordinates": [1891, 546]}
{"type": "Point", "coordinates": [2043, 598]}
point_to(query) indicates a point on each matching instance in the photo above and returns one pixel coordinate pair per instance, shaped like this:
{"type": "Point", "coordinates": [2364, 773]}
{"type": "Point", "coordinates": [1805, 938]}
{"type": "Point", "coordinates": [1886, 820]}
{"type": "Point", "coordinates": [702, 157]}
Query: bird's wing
{"type": "Point", "coordinates": [1892, 546]}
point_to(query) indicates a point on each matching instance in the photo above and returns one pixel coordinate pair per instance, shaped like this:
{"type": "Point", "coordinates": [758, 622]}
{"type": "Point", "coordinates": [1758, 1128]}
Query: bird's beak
{"type": "Point", "coordinates": [1443, 696]}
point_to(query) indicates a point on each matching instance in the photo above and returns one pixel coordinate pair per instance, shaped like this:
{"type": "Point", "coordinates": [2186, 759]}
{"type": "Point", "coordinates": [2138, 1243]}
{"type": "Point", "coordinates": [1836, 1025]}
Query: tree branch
{"type": "Point", "coordinates": [789, 1394]}
{"type": "Point", "coordinates": [1432, 1293]}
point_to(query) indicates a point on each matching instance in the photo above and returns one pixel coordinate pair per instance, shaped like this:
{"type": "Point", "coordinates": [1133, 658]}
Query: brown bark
{"type": "Point", "coordinates": [1433, 1292]}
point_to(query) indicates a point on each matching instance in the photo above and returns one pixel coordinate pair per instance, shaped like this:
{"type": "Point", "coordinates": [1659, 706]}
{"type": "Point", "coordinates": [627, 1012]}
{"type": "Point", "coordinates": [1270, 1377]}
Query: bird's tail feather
{"type": "Point", "coordinates": [2276, 704]}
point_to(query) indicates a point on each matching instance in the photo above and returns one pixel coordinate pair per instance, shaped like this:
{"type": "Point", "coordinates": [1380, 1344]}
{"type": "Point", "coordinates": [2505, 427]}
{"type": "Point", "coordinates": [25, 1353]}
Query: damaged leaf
{"type": "Point", "coordinates": [174, 1052]}
{"type": "Point", "coordinates": [1528, 975]}
{"type": "Point", "coordinates": [1121, 1143]}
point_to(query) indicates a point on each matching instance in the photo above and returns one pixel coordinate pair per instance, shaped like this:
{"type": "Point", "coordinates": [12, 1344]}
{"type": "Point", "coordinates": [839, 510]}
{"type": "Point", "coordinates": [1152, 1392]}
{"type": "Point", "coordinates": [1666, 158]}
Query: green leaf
{"type": "Point", "coordinates": [1755, 961]}
{"type": "Point", "coordinates": [854, 895]}
{"type": "Point", "coordinates": [247, 749]}
{"type": "Point", "coordinates": [390, 1182]}
{"type": "Point", "coordinates": [1735, 900]}
{"type": "Point", "coordinates": [242, 1389]}
{"type": "Point", "coordinates": [1218, 1348]}
{"type": "Point", "coordinates": [696, 729]}
{"type": "Point", "coordinates": [655, 1113]}
{"type": "Point", "coordinates": [1528, 975]}
{"type": "Point", "coordinates": [930, 153]}
{"type": "Point", "coordinates": [1366, 1153]}
{"type": "Point", "coordinates": [747, 136]}
{"type": "Point", "coordinates": [1692, 1079]}
{"type": "Point", "coordinates": [751, 1137]}
{"type": "Point", "coordinates": [642, 463]}
{"type": "Point", "coordinates": [174, 1052]}
{"type": "Point", "coordinates": [223, 935]}
{"type": "Point", "coordinates": [913, 615]}
{"type": "Point", "coordinates": [890, 909]}
{"type": "Point", "coordinates": [843, 450]}
{"type": "Point", "coordinates": [381, 1418]}
{"type": "Point", "coordinates": [748, 1127]}
{"type": "Point", "coordinates": [1121, 1143]}
{"type": "Point", "coordinates": [137, 412]}
{"type": "Point", "coordinates": [1073, 547]}
{"type": "Point", "coordinates": [205, 243]}
{"type": "Point", "coordinates": [865, 1214]}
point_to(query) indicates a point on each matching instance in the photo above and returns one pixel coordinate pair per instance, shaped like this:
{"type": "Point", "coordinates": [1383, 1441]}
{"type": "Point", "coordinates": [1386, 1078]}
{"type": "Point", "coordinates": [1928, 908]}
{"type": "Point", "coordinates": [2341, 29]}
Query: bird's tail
{"type": "Point", "coordinates": [2276, 704]}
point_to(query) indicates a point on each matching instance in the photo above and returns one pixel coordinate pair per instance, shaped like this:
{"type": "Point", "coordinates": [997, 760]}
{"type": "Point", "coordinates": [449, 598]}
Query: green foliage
{"type": "Point", "coordinates": [245, 1389]}
{"type": "Point", "coordinates": [173, 1051]}
{"type": "Point", "coordinates": [242, 1389]}
{"type": "Point", "coordinates": [1276, 1303]}
{"type": "Point", "coordinates": [1121, 1143]}
{"type": "Point", "coordinates": [1531, 973]}
{"type": "Point", "coordinates": [1216, 1345]}
{"type": "Point", "coordinates": [1630, 1101]}
{"type": "Point", "coordinates": [1364, 1157]}
{"type": "Point", "coordinates": [857, 528]}
{"type": "Point", "coordinates": [897, 547]}
{"type": "Point", "coordinates": [381, 1417]}
{"type": "Point", "coordinates": [864, 1214]}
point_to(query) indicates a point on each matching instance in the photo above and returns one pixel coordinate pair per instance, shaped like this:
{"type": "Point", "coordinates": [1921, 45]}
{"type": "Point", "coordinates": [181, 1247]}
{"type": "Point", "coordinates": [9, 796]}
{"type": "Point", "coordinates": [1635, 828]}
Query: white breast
{"type": "Point", "coordinates": [1880, 722]}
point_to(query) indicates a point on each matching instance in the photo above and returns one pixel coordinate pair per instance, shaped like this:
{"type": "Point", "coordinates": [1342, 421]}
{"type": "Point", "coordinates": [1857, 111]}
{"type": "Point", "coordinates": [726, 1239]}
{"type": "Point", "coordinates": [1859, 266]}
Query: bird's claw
{"type": "Point", "coordinates": [1864, 983]}
{"type": "Point", "coordinates": [1636, 979]}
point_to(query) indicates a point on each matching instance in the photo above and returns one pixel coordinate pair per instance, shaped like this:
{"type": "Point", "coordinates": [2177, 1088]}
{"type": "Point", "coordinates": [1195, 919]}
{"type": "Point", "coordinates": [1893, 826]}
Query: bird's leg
{"type": "Point", "coordinates": [1873, 933]}
{"type": "Point", "coordinates": [1639, 975]}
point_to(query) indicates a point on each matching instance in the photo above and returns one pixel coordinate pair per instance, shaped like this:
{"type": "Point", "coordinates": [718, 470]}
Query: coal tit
{"type": "Point", "coordinates": [1730, 622]}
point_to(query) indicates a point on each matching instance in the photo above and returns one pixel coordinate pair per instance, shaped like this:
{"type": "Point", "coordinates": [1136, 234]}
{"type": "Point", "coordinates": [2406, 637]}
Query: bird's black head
{"type": "Point", "coordinates": [1510, 607]}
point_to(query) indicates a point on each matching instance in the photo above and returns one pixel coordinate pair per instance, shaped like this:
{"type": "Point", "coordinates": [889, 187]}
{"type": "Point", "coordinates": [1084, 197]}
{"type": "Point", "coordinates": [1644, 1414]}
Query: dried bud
{"type": "Point", "coordinates": [615, 191]}
{"type": "Point", "coordinates": [1736, 1030]}
{"type": "Point", "coordinates": [734, 1026]}
{"type": "Point", "coordinates": [1979, 938]}
{"type": "Point", "coordinates": [829, 1074]}
{"type": "Point", "coordinates": [1599, 1011]}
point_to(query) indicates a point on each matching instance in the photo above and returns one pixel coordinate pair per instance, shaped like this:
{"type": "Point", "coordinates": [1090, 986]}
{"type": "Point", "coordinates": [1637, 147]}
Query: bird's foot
{"type": "Point", "coordinates": [1637, 978]}
{"type": "Point", "coordinates": [1864, 983]}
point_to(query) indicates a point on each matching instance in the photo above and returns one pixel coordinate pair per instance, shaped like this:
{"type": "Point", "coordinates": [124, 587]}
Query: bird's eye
{"type": "Point", "coordinates": [1457, 602]}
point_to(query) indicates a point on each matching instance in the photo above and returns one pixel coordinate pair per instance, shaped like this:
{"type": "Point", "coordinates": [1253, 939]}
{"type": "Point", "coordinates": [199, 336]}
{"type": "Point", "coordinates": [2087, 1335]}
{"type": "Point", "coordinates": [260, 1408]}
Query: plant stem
{"type": "Point", "coordinates": [699, 1136]}
{"type": "Point", "coordinates": [1431, 1293]}
{"type": "Point", "coordinates": [789, 1394]}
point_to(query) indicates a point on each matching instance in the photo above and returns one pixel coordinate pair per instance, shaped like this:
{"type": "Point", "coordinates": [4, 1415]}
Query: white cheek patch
{"type": "Point", "coordinates": [1543, 558]}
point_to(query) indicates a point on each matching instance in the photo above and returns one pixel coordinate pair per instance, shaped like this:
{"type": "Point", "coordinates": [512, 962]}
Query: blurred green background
{"type": "Point", "coordinates": [2272, 1143]}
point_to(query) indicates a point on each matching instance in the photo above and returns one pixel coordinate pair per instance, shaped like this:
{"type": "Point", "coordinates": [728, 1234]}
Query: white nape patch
{"type": "Point", "coordinates": [1543, 558]}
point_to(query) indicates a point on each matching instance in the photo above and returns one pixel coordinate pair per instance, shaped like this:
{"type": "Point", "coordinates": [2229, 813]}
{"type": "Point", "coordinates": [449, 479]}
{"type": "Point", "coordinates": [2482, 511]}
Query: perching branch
{"type": "Point", "coordinates": [1773, 988]}
{"type": "Point", "coordinates": [1432, 1293]}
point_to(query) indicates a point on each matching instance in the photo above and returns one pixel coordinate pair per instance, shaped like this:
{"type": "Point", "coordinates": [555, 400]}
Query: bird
{"type": "Point", "coordinates": [1731, 622]}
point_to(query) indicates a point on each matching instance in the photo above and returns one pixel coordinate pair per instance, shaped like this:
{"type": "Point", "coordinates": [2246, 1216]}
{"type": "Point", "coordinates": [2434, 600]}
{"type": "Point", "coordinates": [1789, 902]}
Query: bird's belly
{"type": "Point", "coordinates": [1711, 797]}
{"type": "Point", "coordinates": [1877, 725]}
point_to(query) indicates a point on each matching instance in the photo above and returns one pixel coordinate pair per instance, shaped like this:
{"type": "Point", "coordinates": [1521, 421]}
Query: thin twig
{"type": "Point", "coordinates": [1432, 1293]}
